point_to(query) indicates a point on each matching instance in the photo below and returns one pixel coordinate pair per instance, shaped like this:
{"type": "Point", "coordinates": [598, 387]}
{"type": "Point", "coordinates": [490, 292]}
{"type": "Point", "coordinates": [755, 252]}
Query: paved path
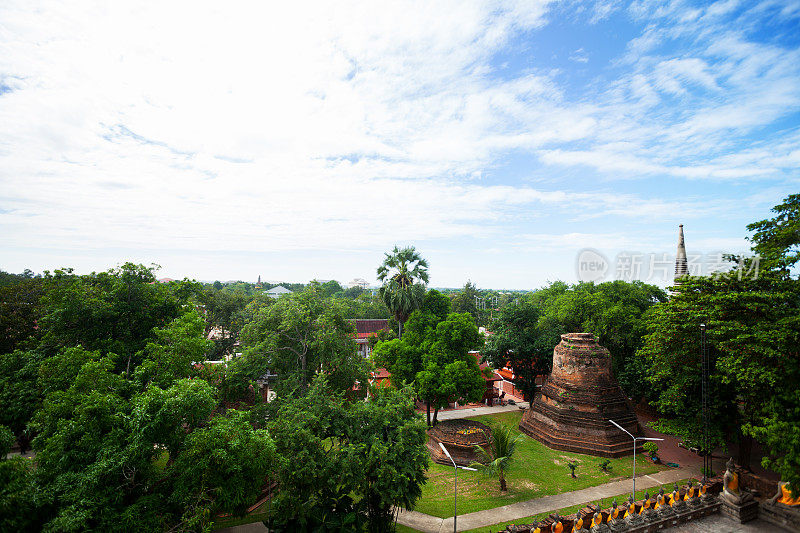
{"type": "Point", "coordinates": [477, 411]}
{"type": "Point", "coordinates": [515, 511]}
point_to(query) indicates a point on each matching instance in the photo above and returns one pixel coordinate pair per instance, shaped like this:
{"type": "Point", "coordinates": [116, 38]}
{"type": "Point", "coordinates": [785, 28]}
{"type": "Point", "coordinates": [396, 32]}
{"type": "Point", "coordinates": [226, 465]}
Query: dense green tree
{"type": "Point", "coordinates": [215, 473]}
{"type": "Point", "coordinates": [99, 450]}
{"type": "Point", "coordinates": [366, 305]}
{"type": "Point", "coordinates": [20, 309]}
{"type": "Point", "coordinates": [433, 354]}
{"type": "Point", "coordinates": [302, 334]}
{"type": "Point", "coordinates": [404, 274]}
{"type": "Point", "coordinates": [329, 288]}
{"type": "Point", "coordinates": [777, 240]}
{"type": "Point", "coordinates": [173, 351]}
{"type": "Point", "coordinates": [753, 324]}
{"type": "Point", "coordinates": [464, 301]}
{"type": "Point", "coordinates": [353, 292]}
{"type": "Point", "coordinates": [224, 312]}
{"type": "Point", "coordinates": [7, 439]}
{"type": "Point", "coordinates": [526, 332]}
{"type": "Point", "coordinates": [17, 490]}
{"type": "Point", "coordinates": [436, 303]}
{"type": "Point", "coordinates": [112, 311]}
{"type": "Point", "coordinates": [343, 465]}
{"type": "Point", "coordinates": [19, 393]}
{"type": "Point", "coordinates": [131, 435]}
{"type": "Point", "coordinates": [520, 341]}
{"type": "Point", "coordinates": [402, 359]}
{"type": "Point", "coordinates": [449, 372]}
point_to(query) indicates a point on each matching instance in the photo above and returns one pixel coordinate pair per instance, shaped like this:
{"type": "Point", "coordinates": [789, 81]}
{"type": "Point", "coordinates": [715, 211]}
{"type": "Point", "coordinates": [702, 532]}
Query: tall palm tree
{"type": "Point", "coordinates": [496, 458]}
{"type": "Point", "coordinates": [404, 274]}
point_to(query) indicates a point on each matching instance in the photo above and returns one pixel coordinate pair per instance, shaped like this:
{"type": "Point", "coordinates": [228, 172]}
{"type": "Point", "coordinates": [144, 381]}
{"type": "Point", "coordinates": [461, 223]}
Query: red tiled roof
{"type": "Point", "coordinates": [507, 374]}
{"type": "Point", "coordinates": [369, 327]}
{"type": "Point", "coordinates": [380, 373]}
{"type": "Point", "coordinates": [484, 366]}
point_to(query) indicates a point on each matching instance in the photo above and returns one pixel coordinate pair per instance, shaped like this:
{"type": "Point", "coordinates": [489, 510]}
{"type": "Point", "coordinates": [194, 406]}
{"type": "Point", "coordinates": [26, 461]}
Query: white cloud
{"type": "Point", "coordinates": [285, 126]}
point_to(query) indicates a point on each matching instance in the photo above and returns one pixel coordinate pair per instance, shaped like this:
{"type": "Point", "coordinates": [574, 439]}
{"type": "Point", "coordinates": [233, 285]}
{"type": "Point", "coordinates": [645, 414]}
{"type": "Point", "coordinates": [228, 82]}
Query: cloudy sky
{"type": "Point", "coordinates": [297, 140]}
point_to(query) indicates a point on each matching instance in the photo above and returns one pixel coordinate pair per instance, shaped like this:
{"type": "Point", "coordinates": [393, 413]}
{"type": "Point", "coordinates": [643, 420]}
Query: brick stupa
{"type": "Point", "coordinates": [578, 398]}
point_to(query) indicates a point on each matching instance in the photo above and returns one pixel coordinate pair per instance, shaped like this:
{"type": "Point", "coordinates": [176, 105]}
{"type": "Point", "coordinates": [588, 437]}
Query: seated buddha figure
{"type": "Point", "coordinates": [659, 500]}
{"type": "Point", "coordinates": [617, 513]}
{"type": "Point", "coordinates": [579, 520]}
{"type": "Point", "coordinates": [784, 495]}
{"type": "Point", "coordinates": [691, 491]}
{"type": "Point", "coordinates": [646, 504]}
{"type": "Point", "coordinates": [676, 501]}
{"type": "Point", "coordinates": [631, 508]}
{"type": "Point", "coordinates": [663, 504]}
{"type": "Point", "coordinates": [598, 524]}
{"type": "Point", "coordinates": [731, 491]}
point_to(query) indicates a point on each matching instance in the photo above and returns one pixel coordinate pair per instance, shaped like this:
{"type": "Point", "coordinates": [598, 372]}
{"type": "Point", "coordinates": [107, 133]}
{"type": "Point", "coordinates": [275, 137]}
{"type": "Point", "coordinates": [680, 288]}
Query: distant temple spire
{"type": "Point", "coordinates": [681, 265]}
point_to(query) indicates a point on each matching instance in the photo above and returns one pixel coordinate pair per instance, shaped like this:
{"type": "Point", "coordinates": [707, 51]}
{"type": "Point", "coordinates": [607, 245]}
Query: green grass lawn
{"type": "Point", "coordinates": [604, 503]}
{"type": "Point", "coordinates": [535, 472]}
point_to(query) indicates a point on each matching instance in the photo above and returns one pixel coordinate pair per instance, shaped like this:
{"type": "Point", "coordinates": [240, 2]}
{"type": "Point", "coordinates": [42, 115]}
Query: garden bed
{"type": "Point", "coordinates": [460, 438]}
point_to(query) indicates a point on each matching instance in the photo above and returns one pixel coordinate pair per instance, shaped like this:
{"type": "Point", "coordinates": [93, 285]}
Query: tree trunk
{"type": "Point", "coordinates": [435, 415]}
{"type": "Point", "coordinates": [503, 487]}
{"type": "Point", "coordinates": [428, 408]}
{"type": "Point", "coordinates": [400, 329]}
{"type": "Point", "coordinates": [745, 450]}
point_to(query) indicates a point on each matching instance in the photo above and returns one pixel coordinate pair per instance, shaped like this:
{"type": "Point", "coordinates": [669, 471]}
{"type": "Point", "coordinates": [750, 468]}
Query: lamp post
{"type": "Point", "coordinates": [633, 493]}
{"type": "Point", "coordinates": [455, 485]}
{"type": "Point", "coordinates": [704, 396]}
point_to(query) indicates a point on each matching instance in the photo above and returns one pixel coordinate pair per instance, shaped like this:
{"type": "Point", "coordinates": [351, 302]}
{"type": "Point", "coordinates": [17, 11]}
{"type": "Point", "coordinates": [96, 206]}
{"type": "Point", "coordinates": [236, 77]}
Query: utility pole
{"type": "Point", "coordinates": [706, 442]}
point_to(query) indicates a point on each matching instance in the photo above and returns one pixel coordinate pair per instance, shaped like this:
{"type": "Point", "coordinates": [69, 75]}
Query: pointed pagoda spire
{"type": "Point", "coordinates": [681, 264]}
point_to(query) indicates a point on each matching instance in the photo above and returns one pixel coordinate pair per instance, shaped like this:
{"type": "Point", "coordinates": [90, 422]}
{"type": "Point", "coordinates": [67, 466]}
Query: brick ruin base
{"type": "Point", "coordinates": [460, 438]}
{"type": "Point", "coordinates": [577, 401]}
{"type": "Point", "coordinates": [647, 522]}
{"type": "Point", "coordinates": [786, 517]}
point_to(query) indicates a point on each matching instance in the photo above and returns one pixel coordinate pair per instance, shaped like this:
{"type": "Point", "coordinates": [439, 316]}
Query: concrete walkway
{"type": "Point", "coordinates": [451, 414]}
{"type": "Point", "coordinates": [546, 504]}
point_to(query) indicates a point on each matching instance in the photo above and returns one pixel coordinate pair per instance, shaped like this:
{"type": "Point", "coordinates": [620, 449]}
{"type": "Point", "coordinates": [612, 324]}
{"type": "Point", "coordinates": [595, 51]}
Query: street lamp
{"type": "Point", "coordinates": [455, 486]}
{"type": "Point", "coordinates": [634, 452]}
{"type": "Point", "coordinates": [707, 458]}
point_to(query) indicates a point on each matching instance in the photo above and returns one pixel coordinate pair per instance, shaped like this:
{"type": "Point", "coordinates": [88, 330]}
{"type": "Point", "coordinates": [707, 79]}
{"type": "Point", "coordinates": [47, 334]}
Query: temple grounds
{"type": "Point", "coordinates": [536, 471]}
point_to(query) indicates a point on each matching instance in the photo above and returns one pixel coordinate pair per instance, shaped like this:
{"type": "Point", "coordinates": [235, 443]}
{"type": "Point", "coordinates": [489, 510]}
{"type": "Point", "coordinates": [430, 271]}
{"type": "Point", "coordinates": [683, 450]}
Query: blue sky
{"type": "Point", "coordinates": [499, 138]}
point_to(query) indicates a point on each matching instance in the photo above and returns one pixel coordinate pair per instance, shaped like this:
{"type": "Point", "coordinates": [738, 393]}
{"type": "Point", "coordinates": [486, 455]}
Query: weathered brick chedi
{"type": "Point", "coordinates": [578, 398]}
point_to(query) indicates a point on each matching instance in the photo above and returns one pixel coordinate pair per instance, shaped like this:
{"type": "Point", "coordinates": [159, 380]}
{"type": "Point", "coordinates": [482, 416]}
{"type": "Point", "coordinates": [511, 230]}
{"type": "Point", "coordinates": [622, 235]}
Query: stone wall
{"type": "Point", "coordinates": [649, 521]}
{"type": "Point", "coordinates": [460, 437]}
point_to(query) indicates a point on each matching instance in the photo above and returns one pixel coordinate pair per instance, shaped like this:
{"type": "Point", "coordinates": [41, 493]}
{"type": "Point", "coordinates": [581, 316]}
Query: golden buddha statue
{"type": "Point", "coordinates": [659, 500]}
{"type": "Point", "coordinates": [616, 512]}
{"type": "Point", "coordinates": [730, 486]}
{"type": "Point", "coordinates": [646, 503]}
{"type": "Point", "coordinates": [578, 522]}
{"type": "Point", "coordinates": [676, 502]}
{"type": "Point", "coordinates": [784, 495]}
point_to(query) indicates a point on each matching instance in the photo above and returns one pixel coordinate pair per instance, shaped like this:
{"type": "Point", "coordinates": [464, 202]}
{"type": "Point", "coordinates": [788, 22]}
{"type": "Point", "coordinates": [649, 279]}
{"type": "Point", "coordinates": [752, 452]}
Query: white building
{"type": "Point", "coordinates": [275, 292]}
{"type": "Point", "coordinates": [358, 282]}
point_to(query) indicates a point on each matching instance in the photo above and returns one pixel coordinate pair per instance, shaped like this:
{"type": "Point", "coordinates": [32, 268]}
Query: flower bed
{"type": "Point", "coordinates": [460, 437]}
